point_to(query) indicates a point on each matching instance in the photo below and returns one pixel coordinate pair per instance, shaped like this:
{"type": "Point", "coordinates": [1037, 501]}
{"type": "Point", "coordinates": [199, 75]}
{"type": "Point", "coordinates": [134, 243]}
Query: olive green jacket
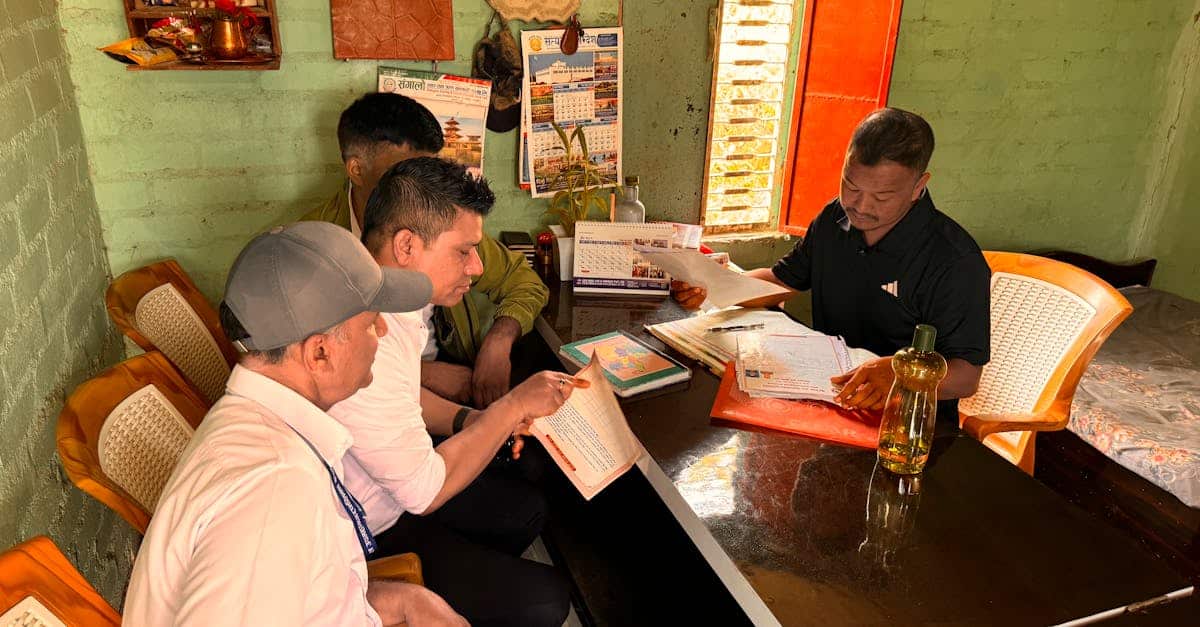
{"type": "Point", "coordinates": [508, 285]}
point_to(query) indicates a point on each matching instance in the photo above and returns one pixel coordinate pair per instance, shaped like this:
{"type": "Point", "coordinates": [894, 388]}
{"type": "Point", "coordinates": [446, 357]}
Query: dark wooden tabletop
{"type": "Point", "coordinates": [823, 536]}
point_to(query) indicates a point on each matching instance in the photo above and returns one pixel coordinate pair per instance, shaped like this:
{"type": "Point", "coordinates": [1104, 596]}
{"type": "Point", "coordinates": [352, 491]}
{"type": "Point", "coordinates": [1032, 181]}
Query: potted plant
{"type": "Point", "coordinates": [580, 180]}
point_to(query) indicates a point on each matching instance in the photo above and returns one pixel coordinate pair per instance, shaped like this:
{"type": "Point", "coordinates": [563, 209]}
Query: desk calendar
{"type": "Point", "coordinates": [606, 262]}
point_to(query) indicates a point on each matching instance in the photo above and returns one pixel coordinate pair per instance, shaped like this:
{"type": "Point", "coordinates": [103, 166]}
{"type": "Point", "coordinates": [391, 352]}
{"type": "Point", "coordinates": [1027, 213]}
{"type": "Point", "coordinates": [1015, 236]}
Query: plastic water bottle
{"type": "Point", "coordinates": [628, 207]}
{"type": "Point", "coordinates": [906, 431]}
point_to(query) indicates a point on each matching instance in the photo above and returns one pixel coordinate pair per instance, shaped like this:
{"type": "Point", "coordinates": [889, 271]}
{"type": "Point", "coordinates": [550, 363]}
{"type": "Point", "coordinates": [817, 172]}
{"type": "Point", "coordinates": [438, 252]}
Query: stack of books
{"type": "Point", "coordinates": [519, 242]}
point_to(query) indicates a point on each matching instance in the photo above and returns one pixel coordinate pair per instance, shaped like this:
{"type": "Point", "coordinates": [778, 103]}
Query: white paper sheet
{"type": "Point", "coordinates": [725, 287]}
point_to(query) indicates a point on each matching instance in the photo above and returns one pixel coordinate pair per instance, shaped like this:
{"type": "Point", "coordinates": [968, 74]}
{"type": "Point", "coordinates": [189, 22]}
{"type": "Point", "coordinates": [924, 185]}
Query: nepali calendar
{"type": "Point", "coordinates": [459, 103]}
{"type": "Point", "coordinates": [572, 90]}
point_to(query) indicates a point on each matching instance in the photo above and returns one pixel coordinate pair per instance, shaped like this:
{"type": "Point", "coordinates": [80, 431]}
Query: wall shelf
{"type": "Point", "coordinates": [140, 17]}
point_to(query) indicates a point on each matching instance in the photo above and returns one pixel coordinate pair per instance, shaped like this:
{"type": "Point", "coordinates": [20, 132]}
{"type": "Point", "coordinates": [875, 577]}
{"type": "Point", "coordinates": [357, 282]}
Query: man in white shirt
{"type": "Point", "coordinates": [426, 214]}
{"type": "Point", "coordinates": [255, 525]}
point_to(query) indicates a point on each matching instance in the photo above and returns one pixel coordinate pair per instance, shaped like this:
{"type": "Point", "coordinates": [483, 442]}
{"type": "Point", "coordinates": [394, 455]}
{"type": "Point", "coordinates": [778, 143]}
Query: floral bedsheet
{"type": "Point", "coordinates": [1139, 400]}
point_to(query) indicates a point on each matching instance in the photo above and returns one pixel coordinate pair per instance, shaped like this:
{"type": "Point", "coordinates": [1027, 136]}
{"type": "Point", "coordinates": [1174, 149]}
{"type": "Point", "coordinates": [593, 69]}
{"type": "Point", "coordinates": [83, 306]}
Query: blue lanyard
{"type": "Point", "coordinates": [354, 509]}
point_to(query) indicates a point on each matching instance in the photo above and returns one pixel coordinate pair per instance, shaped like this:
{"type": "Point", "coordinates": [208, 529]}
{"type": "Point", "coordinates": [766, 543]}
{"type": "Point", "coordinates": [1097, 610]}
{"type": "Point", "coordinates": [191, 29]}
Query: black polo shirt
{"type": "Point", "coordinates": [926, 270]}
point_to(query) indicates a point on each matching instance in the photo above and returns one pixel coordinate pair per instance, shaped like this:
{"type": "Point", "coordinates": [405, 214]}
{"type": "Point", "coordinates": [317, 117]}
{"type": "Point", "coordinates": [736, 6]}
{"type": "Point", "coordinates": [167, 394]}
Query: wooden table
{"type": "Point", "coordinates": [800, 532]}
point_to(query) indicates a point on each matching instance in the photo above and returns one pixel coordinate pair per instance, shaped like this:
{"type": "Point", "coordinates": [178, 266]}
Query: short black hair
{"type": "Point", "coordinates": [234, 331]}
{"type": "Point", "coordinates": [385, 117]}
{"type": "Point", "coordinates": [893, 135]}
{"type": "Point", "coordinates": [423, 195]}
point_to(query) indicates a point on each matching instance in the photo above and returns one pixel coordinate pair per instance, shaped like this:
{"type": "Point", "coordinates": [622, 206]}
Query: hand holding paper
{"type": "Point", "coordinates": [725, 287]}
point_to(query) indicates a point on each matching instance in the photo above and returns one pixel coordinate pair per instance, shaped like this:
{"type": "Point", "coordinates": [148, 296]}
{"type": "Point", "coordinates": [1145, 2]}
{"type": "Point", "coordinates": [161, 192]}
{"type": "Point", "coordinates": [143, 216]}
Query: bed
{"type": "Point", "coordinates": [1131, 451]}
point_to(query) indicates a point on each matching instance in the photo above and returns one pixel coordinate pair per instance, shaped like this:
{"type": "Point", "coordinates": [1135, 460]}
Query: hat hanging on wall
{"type": "Point", "coordinates": [498, 58]}
{"type": "Point", "coordinates": [536, 10]}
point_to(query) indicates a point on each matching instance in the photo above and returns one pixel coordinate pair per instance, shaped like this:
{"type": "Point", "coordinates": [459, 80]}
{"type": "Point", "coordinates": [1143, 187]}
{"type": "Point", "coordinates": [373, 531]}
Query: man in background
{"type": "Point", "coordinates": [377, 131]}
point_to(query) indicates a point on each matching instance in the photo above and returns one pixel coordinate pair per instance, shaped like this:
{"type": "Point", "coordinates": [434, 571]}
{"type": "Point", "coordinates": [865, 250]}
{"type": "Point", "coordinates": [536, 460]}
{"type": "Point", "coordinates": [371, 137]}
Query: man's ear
{"type": "Point", "coordinates": [920, 188]}
{"type": "Point", "coordinates": [314, 352]}
{"type": "Point", "coordinates": [404, 245]}
{"type": "Point", "coordinates": [354, 170]}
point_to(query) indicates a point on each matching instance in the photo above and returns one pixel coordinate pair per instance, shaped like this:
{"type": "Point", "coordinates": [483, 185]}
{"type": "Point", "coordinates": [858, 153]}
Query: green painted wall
{"type": "Point", "coordinates": [54, 332]}
{"type": "Point", "coordinates": [191, 164]}
{"type": "Point", "coordinates": [1171, 203]}
{"type": "Point", "coordinates": [1044, 112]}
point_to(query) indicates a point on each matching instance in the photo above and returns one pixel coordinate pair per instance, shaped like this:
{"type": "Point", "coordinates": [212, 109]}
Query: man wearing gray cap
{"type": "Point", "coordinates": [255, 525]}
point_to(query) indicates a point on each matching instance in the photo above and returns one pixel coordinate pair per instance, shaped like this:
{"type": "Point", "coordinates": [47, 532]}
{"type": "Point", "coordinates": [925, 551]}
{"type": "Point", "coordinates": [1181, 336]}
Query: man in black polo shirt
{"type": "Point", "coordinates": [881, 259]}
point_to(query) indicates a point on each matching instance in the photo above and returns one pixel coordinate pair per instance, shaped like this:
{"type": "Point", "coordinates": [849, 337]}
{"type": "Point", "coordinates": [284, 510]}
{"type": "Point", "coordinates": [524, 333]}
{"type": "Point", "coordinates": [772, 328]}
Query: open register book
{"type": "Point", "coordinates": [588, 436]}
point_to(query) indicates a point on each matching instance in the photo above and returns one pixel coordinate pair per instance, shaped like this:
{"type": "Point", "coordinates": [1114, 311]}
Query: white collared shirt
{"type": "Point", "coordinates": [392, 466]}
{"type": "Point", "coordinates": [248, 530]}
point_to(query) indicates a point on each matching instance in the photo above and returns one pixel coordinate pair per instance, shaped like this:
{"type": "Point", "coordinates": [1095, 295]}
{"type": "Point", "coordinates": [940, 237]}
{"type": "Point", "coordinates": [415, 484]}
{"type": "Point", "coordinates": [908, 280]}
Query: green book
{"type": "Point", "coordinates": [632, 366]}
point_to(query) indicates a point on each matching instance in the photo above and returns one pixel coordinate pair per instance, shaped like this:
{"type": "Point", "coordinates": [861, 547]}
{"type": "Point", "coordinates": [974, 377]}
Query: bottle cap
{"type": "Point", "coordinates": [631, 181]}
{"type": "Point", "coordinates": [923, 338]}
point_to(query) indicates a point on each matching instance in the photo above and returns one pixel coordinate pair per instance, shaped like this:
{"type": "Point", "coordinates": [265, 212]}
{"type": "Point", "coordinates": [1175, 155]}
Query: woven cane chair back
{"type": "Point", "coordinates": [42, 589]}
{"type": "Point", "coordinates": [121, 433]}
{"type": "Point", "coordinates": [159, 308]}
{"type": "Point", "coordinates": [1047, 321]}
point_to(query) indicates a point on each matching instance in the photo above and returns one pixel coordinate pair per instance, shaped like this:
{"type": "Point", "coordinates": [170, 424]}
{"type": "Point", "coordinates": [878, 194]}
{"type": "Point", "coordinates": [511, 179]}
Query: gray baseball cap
{"type": "Point", "coordinates": [297, 280]}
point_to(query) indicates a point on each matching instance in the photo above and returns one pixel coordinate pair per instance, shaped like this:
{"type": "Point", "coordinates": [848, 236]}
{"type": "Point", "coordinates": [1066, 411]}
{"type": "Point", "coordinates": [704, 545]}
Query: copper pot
{"type": "Point", "coordinates": [227, 40]}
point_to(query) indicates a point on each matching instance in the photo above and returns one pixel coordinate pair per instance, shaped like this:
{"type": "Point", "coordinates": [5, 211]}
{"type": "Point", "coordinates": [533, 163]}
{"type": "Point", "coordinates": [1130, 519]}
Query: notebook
{"type": "Point", "coordinates": [606, 263]}
{"type": "Point", "coordinates": [631, 366]}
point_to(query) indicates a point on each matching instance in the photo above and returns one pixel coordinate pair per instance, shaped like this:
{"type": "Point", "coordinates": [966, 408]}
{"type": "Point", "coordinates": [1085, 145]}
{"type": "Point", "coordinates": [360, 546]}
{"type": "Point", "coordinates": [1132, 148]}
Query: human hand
{"type": "Point", "coordinates": [400, 603]}
{"type": "Point", "coordinates": [689, 296]}
{"type": "Point", "coordinates": [449, 381]}
{"type": "Point", "coordinates": [493, 370]}
{"type": "Point", "coordinates": [542, 394]}
{"type": "Point", "coordinates": [866, 386]}
{"type": "Point", "coordinates": [518, 437]}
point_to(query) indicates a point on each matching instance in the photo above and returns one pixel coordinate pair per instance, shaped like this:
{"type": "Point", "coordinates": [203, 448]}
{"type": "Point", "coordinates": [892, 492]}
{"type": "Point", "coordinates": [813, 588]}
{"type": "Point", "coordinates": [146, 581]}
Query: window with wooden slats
{"type": "Point", "coordinates": [747, 112]}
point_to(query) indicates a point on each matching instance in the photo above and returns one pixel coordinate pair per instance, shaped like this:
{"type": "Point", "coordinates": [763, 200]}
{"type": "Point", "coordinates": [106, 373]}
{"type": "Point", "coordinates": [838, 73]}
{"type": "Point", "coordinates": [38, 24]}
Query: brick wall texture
{"type": "Point", "coordinates": [54, 331]}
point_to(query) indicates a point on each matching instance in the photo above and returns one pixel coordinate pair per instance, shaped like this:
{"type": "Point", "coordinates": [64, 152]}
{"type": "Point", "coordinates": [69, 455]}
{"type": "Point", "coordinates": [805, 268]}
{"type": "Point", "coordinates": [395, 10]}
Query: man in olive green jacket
{"type": "Point", "coordinates": [374, 133]}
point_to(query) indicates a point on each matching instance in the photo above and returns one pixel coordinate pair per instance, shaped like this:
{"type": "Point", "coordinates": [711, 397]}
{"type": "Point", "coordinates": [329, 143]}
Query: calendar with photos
{"type": "Point", "coordinates": [571, 90]}
{"type": "Point", "coordinates": [607, 263]}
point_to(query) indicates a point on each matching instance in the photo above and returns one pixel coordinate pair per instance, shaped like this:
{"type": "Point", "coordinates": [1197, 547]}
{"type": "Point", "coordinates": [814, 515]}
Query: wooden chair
{"type": "Point", "coordinates": [159, 308]}
{"type": "Point", "coordinates": [120, 433]}
{"type": "Point", "coordinates": [39, 586]}
{"type": "Point", "coordinates": [1048, 320]}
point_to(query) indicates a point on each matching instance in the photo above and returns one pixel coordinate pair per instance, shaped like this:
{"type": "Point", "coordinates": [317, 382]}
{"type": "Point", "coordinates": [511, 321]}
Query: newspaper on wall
{"type": "Point", "coordinates": [459, 103]}
{"type": "Point", "coordinates": [581, 89]}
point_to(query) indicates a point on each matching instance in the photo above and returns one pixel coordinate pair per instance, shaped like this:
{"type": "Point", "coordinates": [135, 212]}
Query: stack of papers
{"type": "Point", "coordinates": [790, 366]}
{"type": "Point", "coordinates": [712, 338]}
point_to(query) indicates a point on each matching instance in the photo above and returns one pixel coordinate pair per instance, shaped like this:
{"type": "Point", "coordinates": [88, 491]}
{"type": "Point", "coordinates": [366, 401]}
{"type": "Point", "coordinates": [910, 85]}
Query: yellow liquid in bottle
{"type": "Point", "coordinates": [906, 431]}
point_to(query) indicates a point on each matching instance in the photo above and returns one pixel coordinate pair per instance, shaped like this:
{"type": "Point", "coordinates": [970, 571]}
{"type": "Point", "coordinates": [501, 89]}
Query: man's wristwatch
{"type": "Point", "coordinates": [460, 418]}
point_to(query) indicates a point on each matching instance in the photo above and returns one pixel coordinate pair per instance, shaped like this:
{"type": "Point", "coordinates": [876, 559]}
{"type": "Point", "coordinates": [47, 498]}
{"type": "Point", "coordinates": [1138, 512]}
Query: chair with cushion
{"type": "Point", "coordinates": [40, 588]}
{"type": "Point", "coordinates": [1048, 319]}
{"type": "Point", "coordinates": [159, 308]}
{"type": "Point", "coordinates": [120, 433]}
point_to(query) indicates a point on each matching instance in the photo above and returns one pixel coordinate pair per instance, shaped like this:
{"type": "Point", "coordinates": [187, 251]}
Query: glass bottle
{"type": "Point", "coordinates": [906, 431]}
{"type": "Point", "coordinates": [628, 207]}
